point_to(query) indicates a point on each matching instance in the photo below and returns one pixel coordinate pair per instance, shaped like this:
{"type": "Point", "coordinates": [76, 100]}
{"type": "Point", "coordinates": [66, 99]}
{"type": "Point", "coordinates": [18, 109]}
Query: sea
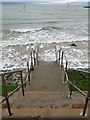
{"type": "Point", "coordinates": [26, 24]}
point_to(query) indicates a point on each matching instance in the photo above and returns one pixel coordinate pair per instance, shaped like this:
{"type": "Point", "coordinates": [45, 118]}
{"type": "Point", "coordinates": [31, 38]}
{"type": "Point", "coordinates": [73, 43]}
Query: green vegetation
{"type": "Point", "coordinates": [9, 89]}
{"type": "Point", "coordinates": [80, 79]}
{"type": "Point", "coordinates": [0, 89]}
{"type": "Point", "coordinates": [11, 84]}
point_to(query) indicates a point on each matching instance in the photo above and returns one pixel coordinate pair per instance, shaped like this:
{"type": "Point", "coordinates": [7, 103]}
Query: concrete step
{"type": "Point", "coordinates": [44, 99]}
{"type": "Point", "coordinates": [46, 94]}
{"type": "Point", "coordinates": [43, 112]}
{"type": "Point", "coordinates": [40, 98]}
{"type": "Point", "coordinates": [43, 103]}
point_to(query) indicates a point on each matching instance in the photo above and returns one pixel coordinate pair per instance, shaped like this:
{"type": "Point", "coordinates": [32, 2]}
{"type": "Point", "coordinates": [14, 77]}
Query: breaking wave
{"type": "Point", "coordinates": [34, 30]}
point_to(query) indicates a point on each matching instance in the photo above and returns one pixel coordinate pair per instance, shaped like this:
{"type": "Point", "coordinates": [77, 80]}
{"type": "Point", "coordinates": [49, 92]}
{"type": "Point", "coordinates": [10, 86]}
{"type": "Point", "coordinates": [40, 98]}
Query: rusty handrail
{"type": "Point", "coordinates": [13, 71]}
{"type": "Point", "coordinates": [35, 56]}
{"type": "Point", "coordinates": [61, 57]}
{"type": "Point", "coordinates": [82, 70]}
{"type": "Point", "coordinates": [67, 80]}
{"type": "Point", "coordinates": [75, 86]}
{"type": "Point", "coordinates": [27, 79]}
{"type": "Point", "coordinates": [7, 95]}
{"type": "Point", "coordinates": [83, 93]}
{"type": "Point", "coordinates": [10, 94]}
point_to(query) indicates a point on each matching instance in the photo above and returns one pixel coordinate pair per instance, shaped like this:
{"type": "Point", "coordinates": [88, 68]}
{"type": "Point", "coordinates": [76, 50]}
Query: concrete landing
{"type": "Point", "coordinates": [47, 78]}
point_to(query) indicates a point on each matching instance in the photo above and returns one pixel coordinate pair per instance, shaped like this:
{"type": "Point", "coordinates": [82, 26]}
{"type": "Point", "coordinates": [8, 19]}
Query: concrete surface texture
{"type": "Point", "coordinates": [46, 96]}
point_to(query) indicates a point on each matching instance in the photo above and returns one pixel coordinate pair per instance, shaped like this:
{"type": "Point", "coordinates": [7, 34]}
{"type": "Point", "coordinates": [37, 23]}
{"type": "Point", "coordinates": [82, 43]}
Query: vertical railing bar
{"type": "Point", "coordinates": [34, 58]}
{"type": "Point", "coordinates": [59, 57]}
{"type": "Point", "coordinates": [56, 54]}
{"type": "Point", "coordinates": [37, 54]}
{"type": "Point", "coordinates": [62, 60]}
{"type": "Point", "coordinates": [22, 84]}
{"type": "Point", "coordinates": [71, 93]}
{"type": "Point", "coordinates": [66, 65]}
{"type": "Point", "coordinates": [86, 103]}
{"type": "Point", "coordinates": [6, 94]}
{"type": "Point", "coordinates": [31, 62]}
{"type": "Point", "coordinates": [28, 72]}
{"type": "Point", "coordinates": [37, 58]}
{"type": "Point", "coordinates": [65, 72]}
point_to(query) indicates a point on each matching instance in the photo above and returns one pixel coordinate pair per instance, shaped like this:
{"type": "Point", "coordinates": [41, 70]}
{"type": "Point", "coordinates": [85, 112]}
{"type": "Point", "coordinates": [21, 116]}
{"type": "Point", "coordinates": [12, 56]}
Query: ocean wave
{"type": "Point", "coordinates": [42, 38]}
{"type": "Point", "coordinates": [50, 28]}
{"type": "Point", "coordinates": [42, 35]}
{"type": "Point", "coordinates": [34, 29]}
{"type": "Point", "coordinates": [22, 30]}
{"type": "Point", "coordinates": [17, 56]}
{"type": "Point", "coordinates": [77, 58]}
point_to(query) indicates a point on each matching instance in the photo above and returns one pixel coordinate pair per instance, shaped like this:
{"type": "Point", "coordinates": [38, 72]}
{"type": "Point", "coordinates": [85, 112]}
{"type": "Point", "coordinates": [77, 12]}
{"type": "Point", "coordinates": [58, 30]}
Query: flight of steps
{"type": "Point", "coordinates": [43, 104]}
{"type": "Point", "coordinates": [46, 96]}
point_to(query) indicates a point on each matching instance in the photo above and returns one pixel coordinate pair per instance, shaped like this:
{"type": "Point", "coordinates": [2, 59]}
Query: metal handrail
{"type": "Point", "coordinates": [83, 93]}
{"type": "Point", "coordinates": [10, 94]}
{"type": "Point", "coordinates": [34, 56]}
{"type": "Point", "coordinates": [7, 96]}
{"type": "Point", "coordinates": [67, 80]}
{"type": "Point", "coordinates": [13, 71]}
{"type": "Point", "coordinates": [82, 70]}
{"type": "Point", "coordinates": [27, 79]}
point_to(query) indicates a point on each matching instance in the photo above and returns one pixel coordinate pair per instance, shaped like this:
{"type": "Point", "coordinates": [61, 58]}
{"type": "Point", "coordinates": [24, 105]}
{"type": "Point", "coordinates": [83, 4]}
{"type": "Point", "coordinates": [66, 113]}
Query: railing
{"type": "Point", "coordinates": [30, 67]}
{"type": "Point", "coordinates": [4, 86]}
{"type": "Point", "coordinates": [60, 60]}
{"type": "Point", "coordinates": [80, 91]}
{"type": "Point", "coordinates": [59, 57]}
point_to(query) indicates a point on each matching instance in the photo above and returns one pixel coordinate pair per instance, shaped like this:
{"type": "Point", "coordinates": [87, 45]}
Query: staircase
{"type": "Point", "coordinates": [46, 96]}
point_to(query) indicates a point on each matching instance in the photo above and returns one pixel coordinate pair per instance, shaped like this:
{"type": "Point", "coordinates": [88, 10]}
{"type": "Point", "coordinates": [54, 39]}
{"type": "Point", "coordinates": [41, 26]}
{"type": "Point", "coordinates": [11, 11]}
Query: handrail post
{"type": "Point", "coordinates": [71, 89]}
{"type": "Point", "coordinates": [34, 57]}
{"type": "Point", "coordinates": [59, 57]}
{"type": "Point", "coordinates": [22, 84]}
{"type": "Point", "coordinates": [37, 59]}
{"type": "Point", "coordinates": [32, 61]}
{"type": "Point", "coordinates": [85, 107]}
{"type": "Point", "coordinates": [62, 60]}
{"type": "Point", "coordinates": [28, 72]}
{"type": "Point", "coordinates": [6, 94]}
{"type": "Point", "coordinates": [70, 93]}
{"type": "Point", "coordinates": [37, 55]}
{"type": "Point", "coordinates": [65, 73]}
{"type": "Point", "coordinates": [66, 66]}
{"type": "Point", "coordinates": [56, 54]}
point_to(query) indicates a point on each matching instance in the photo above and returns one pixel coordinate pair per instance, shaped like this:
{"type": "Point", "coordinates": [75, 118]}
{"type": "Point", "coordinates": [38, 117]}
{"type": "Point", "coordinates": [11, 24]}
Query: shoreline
{"type": "Point", "coordinates": [17, 55]}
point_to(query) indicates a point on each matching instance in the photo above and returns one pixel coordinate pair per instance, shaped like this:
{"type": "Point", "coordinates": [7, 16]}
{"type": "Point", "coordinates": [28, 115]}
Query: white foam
{"type": "Point", "coordinates": [48, 55]}
{"type": "Point", "coordinates": [76, 58]}
{"type": "Point", "coordinates": [27, 47]}
{"type": "Point", "coordinates": [24, 30]}
{"type": "Point", "coordinates": [41, 46]}
{"type": "Point", "coordinates": [43, 35]}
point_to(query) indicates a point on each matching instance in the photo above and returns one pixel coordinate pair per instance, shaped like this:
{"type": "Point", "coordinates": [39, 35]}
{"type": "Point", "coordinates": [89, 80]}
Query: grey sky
{"type": "Point", "coordinates": [45, 0]}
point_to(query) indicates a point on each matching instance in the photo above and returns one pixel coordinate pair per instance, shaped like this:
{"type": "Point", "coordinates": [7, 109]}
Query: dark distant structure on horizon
{"type": "Point", "coordinates": [87, 6]}
{"type": "Point", "coordinates": [68, 5]}
{"type": "Point", "coordinates": [24, 8]}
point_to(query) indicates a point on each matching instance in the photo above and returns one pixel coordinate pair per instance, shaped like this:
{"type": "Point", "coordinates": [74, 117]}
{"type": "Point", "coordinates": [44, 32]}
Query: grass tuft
{"type": "Point", "coordinates": [80, 79]}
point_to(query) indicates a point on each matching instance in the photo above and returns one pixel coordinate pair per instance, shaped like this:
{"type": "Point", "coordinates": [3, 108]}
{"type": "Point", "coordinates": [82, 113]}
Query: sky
{"type": "Point", "coordinates": [56, 1]}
